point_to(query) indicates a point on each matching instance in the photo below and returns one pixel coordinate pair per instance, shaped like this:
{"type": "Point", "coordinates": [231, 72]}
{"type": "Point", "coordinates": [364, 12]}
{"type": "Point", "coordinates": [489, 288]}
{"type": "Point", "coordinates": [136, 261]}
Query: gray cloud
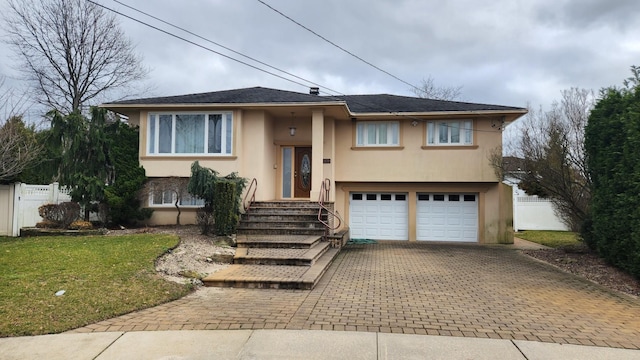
{"type": "Point", "coordinates": [507, 52]}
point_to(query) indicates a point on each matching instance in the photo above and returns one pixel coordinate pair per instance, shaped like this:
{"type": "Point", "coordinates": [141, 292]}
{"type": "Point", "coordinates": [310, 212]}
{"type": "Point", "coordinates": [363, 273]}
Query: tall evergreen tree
{"type": "Point", "coordinates": [127, 177]}
{"type": "Point", "coordinates": [85, 163]}
{"type": "Point", "coordinates": [612, 140]}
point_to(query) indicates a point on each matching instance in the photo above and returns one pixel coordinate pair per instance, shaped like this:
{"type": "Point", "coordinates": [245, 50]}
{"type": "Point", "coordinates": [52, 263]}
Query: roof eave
{"type": "Point", "coordinates": [515, 113]}
{"type": "Point", "coordinates": [279, 104]}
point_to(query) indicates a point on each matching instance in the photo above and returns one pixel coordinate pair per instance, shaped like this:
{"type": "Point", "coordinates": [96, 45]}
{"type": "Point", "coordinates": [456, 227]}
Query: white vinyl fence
{"type": "Point", "coordinates": [534, 213]}
{"type": "Point", "coordinates": [20, 203]}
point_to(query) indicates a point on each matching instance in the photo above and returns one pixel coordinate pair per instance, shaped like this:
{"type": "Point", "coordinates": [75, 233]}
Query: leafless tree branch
{"type": "Point", "coordinates": [177, 186]}
{"type": "Point", "coordinates": [72, 52]}
{"type": "Point", "coordinates": [18, 149]}
{"type": "Point", "coordinates": [550, 157]}
{"type": "Point", "coordinates": [429, 90]}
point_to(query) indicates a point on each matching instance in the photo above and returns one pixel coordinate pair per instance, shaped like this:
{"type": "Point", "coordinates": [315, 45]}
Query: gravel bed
{"type": "Point", "coordinates": [195, 257]}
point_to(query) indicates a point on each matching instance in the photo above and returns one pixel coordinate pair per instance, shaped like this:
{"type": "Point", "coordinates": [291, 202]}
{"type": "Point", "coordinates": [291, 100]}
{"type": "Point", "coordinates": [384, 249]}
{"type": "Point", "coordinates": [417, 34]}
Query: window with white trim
{"type": "Point", "coordinates": [377, 133]}
{"type": "Point", "coordinates": [450, 132]}
{"type": "Point", "coordinates": [161, 197]}
{"type": "Point", "coordinates": [190, 133]}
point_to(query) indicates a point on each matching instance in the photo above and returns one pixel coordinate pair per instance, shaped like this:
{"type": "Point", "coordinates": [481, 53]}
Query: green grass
{"type": "Point", "coordinates": [103, 277]}
{"type": "Point", "coordinates": [552, 239]}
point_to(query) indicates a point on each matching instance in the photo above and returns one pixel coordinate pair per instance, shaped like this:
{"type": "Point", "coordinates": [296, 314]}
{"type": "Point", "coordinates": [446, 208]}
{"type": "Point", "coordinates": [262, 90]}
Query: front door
{"type": "Point", "coordinates": [302, 172]}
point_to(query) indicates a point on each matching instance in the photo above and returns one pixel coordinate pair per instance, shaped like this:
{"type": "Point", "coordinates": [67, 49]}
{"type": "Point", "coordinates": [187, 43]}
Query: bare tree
{"type": "Point", "coordinates": [429, 90]}
{"type": "Point", "coordinates": [548, 158]}
{"type": "Point", "coordinates": [173, 186]}
{"type": "Point", "coordinates": [71, 51]}
{"type": "Point", "coordinates": [11, 103]}
{"type": "Point", "coordinates": [18, 147]}
{"type": "Point", "coordinates": [18, 150]}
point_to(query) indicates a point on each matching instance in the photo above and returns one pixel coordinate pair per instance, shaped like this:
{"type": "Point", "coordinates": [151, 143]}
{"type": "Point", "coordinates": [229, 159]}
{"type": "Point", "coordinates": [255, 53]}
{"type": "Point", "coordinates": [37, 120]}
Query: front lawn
{"type": "Point", "coordinates": [102, 276]}
{"type": "Point", "coordinates": [552, 239]}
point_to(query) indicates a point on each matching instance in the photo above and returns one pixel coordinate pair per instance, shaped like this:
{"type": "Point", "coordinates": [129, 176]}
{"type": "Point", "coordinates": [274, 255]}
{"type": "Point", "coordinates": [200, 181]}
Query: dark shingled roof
{"type": "Point", "coordinates": [381, 103]}
{"type": "Point", "coordinates": [254, 95]}
{"type": "Point", "coordinates": [394, 103]}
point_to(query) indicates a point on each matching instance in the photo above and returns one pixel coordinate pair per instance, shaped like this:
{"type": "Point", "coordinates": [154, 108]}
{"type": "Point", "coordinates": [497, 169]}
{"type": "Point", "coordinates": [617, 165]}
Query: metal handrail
{"type": "Point", "coordinates": [325, 190]}
{"type": "Point", "coordinates": [250, 190]}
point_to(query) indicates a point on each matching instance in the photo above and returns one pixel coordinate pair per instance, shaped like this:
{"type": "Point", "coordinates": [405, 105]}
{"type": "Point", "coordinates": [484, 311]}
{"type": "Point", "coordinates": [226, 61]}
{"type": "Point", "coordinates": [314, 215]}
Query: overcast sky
{"type": "Point", "coordinates": [507, 52]}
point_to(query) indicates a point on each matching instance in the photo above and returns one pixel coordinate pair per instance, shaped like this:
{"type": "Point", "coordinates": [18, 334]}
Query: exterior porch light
{"type": "Point", "coordinates": [292, 129]}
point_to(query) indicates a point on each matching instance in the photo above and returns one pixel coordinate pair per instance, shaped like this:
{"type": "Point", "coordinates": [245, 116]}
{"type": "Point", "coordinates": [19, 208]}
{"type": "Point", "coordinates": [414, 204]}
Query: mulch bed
{"type": "Point", "coordinates": [582, 262]}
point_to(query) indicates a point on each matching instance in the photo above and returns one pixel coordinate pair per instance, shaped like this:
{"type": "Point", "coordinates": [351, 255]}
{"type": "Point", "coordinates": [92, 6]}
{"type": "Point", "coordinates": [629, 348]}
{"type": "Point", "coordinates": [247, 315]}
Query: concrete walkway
{"type": "Point", "coordinates": [289, 344]}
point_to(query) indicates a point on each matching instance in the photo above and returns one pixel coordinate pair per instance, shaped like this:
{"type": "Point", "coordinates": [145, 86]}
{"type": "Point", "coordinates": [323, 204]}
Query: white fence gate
{"type": "Point", "coordinates": [21, 209]}
{"type": "Point", "coordinates": [7, 196]}
{"type": "Point", "coordinates": [32, 197]}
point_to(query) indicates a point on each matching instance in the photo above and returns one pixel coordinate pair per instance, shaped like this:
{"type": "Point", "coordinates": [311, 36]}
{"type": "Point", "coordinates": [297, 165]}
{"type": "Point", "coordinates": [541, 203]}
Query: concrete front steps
{"type": "Point", "coordinates": [282, 218]}
{"type": "Point", "coordinates": [280, 246]}
{"type": "Point", "coordinates": [274, 262]}
{"type": "Point", "coordinates": [304, 253]}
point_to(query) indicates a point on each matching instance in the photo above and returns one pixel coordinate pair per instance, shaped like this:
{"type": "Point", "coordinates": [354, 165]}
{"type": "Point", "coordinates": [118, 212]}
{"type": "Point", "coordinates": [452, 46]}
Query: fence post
{"type": "Point", "coordinates": [514, 188]}
{"type": "Point", "coordinates": [54, 192]}
{"type": "Point", "coordinates": [17, 189]}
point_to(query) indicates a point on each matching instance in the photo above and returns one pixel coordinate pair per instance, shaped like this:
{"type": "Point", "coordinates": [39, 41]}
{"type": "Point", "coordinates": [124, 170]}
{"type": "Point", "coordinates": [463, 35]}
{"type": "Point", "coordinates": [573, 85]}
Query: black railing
{"type": "Point", "coordinates": [325, 190]}
{"type": "Point", "coordinates": [250, 195]}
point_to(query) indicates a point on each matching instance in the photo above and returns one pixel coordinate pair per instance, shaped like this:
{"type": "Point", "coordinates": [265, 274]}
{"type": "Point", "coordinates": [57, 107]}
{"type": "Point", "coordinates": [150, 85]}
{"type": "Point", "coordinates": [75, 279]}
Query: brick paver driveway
{"type": "Point", "coordinates": [453, 290]}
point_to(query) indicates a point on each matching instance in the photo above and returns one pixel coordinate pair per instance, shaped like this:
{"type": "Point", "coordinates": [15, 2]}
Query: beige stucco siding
{"type": "Point", "coordinates": [258, 152]}
{"type": "Point", "coordinates": [167, 216]}
{"type": "Point", "coordinates": [413, 160]}
{"type": "Point", "coordinates": [328, 166]}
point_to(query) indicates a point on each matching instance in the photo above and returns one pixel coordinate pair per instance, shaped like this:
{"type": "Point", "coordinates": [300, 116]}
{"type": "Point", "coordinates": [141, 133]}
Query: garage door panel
{"type": "Point", "coordinates": [386, 216]}
{"type": "Point", "coordinates": [470, 223]}
{"type": "Point", "coordinates": [447, 217]}
{"type": "Point", "coordinates": [469, 234]}
{"type": "Point", "coordinates": [372, 220]}
{"type": "Point", "coordinates": [437, 220]}
{"type": "Point", "coordinates": [385, 209]}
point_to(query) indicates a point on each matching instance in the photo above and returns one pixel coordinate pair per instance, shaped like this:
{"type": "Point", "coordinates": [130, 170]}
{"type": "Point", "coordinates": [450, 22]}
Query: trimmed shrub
{"type": "Point", "coordinates": [225, 214]}
{"type": "Point", "coordinates": [47, 224]}
{"type": "Point", "coordinates": [59, 215]}
{"type": "Point", "coordinates": [80, 225]}
{"type": "Point", "coordinates": [222, 202]}
{"type": "Point", "coordinates": [70, 212]}
{"type": "Point", "coordinates": [51, 213]}
{"type": "Point", "coordinates": [204, 219]}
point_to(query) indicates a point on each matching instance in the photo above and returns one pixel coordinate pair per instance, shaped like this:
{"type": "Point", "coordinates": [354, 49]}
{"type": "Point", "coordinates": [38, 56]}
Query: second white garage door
{"type": "Point", "coordinates": [378, 216]}
{"type": "Point", "coordinates": [447, 217]}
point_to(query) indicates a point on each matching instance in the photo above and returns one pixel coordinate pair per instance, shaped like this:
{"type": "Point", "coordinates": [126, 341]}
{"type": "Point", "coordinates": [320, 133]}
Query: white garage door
{"type": "Point", "coordinates": [378, 216]}
{"type": "Point", "coordinates": [447, 217]}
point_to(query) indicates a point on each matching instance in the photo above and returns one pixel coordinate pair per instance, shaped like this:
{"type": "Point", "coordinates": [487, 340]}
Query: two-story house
{"type": "Point", "coordinates": [401, 168]}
